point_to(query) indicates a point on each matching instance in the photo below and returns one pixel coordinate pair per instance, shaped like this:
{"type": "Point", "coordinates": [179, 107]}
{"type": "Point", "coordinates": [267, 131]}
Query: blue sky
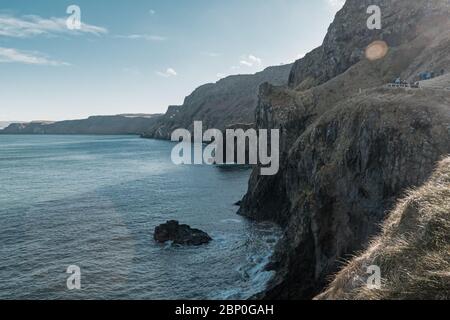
{"type": "Point", "coordinates": [140, 56]}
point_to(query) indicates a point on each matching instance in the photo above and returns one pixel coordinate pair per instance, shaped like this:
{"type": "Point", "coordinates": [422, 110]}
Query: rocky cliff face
{"type": "Point", "coordinates": [412, 252]}
{"type": "Point", "coordinates": [349, 146]}
{"type": "Point", "coordinates": [230, 101]}
{"type": "Point", "coordinates": [348, 36]}
{"type": "Point", "coordinates": [120, 124]}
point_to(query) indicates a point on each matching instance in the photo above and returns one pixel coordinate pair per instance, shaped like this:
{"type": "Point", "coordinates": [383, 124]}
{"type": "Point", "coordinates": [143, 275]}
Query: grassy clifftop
{"type": "Point", "coordinates": [413, 250]}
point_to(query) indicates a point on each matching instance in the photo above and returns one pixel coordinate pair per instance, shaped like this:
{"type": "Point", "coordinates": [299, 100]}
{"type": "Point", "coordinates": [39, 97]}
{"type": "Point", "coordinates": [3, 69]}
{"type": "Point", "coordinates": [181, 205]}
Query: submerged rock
{"type": "Point", "coordinates": [180, 234]}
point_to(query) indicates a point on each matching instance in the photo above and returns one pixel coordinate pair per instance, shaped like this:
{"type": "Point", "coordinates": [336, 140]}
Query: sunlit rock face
{"type": "Point", "coordinates": [230, 101]}
{"type": "Point", "coordinates": [348, 36]}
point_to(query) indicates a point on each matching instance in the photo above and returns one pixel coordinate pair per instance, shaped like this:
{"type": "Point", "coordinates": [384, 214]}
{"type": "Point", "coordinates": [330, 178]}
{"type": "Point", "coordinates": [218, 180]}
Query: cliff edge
{"type": "Point", "coordinates": [350, 146]}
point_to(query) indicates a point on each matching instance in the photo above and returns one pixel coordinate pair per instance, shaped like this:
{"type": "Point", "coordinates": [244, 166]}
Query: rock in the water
{"type": "Point", "coordinates": [180, 234]}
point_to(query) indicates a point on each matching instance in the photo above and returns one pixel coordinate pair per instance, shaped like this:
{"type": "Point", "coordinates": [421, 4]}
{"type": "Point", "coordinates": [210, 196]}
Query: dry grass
{"type": "Point", "coordinates": [413, 250]}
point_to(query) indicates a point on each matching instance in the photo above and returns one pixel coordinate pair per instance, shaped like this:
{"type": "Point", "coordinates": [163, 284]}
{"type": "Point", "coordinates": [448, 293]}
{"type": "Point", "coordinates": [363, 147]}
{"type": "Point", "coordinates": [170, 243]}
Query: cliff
{"type": "Point", "coordinates": [228, 102]}
{"type": "Point", "coordinates": [413, 250]}
{"type": "Point", "coordinates": [348, 36]}
{"type": "Point", "coordinates": [350, 147]}
{"type": "Point", "coordinates": [4, 124]}
{"type": "Point", "coordinates": [119, 124]}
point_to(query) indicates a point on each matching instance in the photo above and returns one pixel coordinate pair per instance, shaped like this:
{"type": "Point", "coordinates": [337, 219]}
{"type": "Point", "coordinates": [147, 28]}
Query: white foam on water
{"type": "Point", "coordinates": [254, 276]}
{"type": "Point", "coordinates": [231, 220]}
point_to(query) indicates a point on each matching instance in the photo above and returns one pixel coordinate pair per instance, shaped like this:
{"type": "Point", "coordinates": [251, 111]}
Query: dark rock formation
{"type": "Point", "coordinates": [180, 234]}
{"type": "Point", "coordinates": [349, 146]}
{"type": "Point", "coordinates": [230, 101]}
{"type": "Point", "coordinates": [119, 124]}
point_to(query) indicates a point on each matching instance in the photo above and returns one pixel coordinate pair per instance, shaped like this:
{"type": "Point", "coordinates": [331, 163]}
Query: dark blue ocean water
{"type": "Point", "coordinates": [94, 201]}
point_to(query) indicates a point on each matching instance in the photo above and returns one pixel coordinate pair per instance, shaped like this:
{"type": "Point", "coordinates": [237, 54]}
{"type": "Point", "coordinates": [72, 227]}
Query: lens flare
{"type": "Point", "coordinates": [377, 50]}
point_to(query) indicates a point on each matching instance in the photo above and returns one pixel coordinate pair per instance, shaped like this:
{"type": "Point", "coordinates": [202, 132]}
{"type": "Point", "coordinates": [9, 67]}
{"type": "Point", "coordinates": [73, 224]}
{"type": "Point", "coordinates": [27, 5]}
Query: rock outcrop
{"type": "Point", "coordinates": [230, 101]}
{"type": "Point", "coordinates": [412, 252]}
{"type": "Point", "coordinates": [180, 234]}
{"type": "Point", "coordinates": [107, 125]}
{"type": "Point", "coordinates": [349, 146]}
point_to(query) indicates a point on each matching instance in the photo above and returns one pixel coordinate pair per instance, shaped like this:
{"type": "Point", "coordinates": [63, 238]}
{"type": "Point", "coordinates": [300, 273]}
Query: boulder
{"type": "Point", "coordinates": [181, 234]}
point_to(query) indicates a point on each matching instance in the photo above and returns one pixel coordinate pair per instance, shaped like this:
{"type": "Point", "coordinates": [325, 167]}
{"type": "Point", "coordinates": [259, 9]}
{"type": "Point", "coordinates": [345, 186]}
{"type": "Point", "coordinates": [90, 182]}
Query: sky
{"type": "Point", "coordinates": [141, 56]}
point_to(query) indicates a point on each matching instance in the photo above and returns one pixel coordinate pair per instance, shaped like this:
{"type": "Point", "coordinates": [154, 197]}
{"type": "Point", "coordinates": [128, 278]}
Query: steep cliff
{"type": "Point", "coordinates": [119, 124]}
{"type": "Point", "coordinates": [413, 251]}
{"type": "Point", "coordinates": [229, 101]}
{"type": "Point", "coordinates": [349, 146]}
{"type": "Point", "coordinates": [348, 36]}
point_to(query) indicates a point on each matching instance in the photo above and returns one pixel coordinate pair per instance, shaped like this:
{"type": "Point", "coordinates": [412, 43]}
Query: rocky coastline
{"type": "Point", "coordinates": [350, 147]}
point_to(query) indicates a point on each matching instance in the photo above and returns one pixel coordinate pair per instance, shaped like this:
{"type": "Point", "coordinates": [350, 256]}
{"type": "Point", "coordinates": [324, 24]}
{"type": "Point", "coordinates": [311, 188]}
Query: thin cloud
{"type": "Point", "coordinates": [142, 37]}
{"type": "Point", "coordinates": [251, 61]}
{"type": "Point", "coordinates": [255, 60]}
{"type": "Point", "coordinates": [32, 25]}
{"type": "Point", "coordinates": [246, 63]}
{"type": "Point", "coordinates": [152, 12]}
{"type": "Point", "coordinates": [170, 72]}
{"type": "Point", "coordinates": [11, 55]}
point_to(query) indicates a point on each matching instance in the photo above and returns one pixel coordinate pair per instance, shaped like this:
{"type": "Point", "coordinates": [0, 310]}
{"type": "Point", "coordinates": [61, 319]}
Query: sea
{"type": "Point", "coordinates": [93, 202]}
